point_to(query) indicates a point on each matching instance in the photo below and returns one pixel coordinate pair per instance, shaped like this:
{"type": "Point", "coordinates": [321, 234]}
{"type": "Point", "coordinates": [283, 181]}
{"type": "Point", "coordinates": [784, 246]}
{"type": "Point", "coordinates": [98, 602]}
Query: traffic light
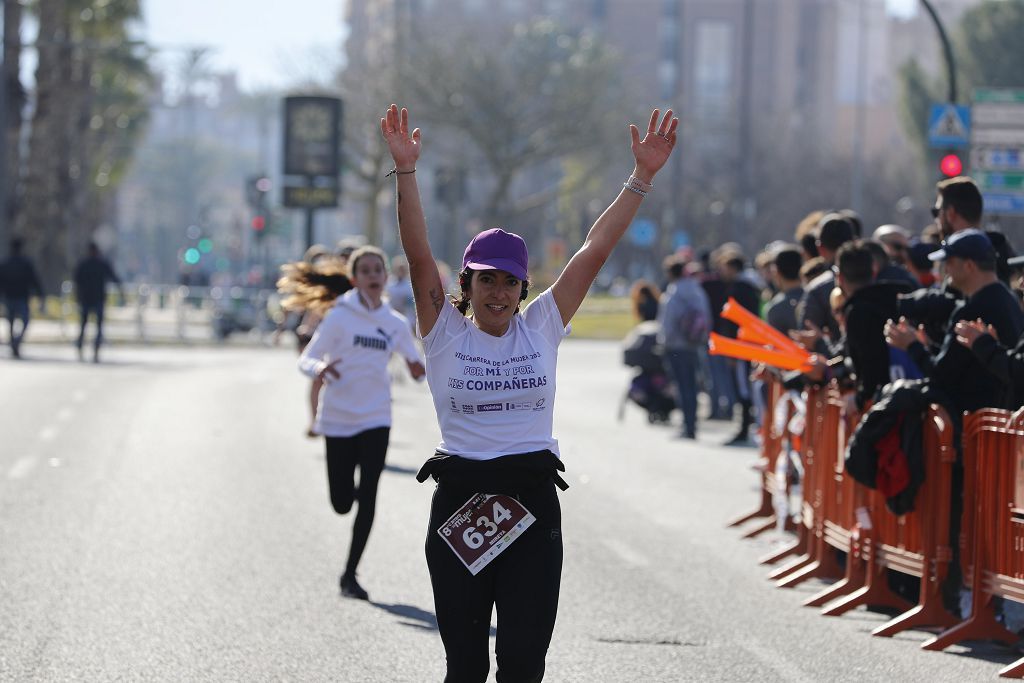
{"type": "Point", "coordinates": [951, 165]}
{"type": "Point", "coordinates": [259, 223]}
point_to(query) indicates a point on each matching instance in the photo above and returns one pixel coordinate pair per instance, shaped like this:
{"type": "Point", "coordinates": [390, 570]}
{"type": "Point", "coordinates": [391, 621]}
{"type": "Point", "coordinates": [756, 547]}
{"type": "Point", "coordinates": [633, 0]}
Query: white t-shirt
{"type": "Point", "coordinates": [364, 341]}
{"type": "Point", "coordinates": [495, 396]}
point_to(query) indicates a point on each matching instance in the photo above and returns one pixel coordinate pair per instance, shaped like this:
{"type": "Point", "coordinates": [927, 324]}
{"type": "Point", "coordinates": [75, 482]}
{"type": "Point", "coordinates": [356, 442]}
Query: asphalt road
{"type": "Point", "coordinates": [162, 517]}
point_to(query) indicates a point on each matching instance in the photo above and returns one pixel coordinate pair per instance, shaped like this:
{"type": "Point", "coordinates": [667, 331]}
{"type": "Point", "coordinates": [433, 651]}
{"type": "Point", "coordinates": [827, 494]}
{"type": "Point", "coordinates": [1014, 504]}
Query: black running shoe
{"type": "Point", "coordinates": [350, 588]}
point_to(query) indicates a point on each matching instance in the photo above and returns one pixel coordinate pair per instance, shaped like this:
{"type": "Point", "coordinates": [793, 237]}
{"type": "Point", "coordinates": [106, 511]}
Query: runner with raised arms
{"type": "Point", "coordinates": [494, 536]}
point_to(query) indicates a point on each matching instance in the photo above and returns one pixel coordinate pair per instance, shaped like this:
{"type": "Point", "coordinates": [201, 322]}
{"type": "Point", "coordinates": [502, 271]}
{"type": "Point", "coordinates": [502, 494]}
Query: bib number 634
{"type": "Point", "coordinates": [473, 538]}
{"type": "Point", "coordinates": [483, 527]}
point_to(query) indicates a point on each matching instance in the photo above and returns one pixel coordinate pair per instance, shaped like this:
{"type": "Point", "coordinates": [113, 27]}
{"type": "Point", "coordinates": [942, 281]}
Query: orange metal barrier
{"type": "Point", "coordinates": [843, 497]}
{"type": "Point", "coordinates": [994, 511]}
{"type": "Point", "coordinates": [915, 543]}
{"type": "Point", "coordinates": [772, 445]}
{"type": "Point", "coordinates": [810, 446]}
{"type": "Point", "coordinates": [819, 464]}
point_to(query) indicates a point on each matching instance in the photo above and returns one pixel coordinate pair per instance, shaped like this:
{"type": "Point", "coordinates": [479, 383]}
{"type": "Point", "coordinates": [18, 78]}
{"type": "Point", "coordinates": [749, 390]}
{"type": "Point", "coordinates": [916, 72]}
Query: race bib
{"type": "Point", "coordinates": [483, 528]}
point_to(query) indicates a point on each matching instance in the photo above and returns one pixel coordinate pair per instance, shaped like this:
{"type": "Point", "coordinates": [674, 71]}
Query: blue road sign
{"type": "Point", "coordinates": [1003, 204]}
{"type": "Point", "coordinates": [642, 232]}
{"type": "Point", "coordinates": [949, 125]}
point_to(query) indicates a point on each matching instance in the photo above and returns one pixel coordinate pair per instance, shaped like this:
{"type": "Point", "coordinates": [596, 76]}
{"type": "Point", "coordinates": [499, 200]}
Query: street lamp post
{"type": "Point", "coordinates": [947, 49]}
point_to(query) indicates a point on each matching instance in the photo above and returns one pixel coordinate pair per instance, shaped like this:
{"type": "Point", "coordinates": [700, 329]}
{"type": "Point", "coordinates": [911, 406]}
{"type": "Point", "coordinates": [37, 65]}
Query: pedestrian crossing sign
{"type": "Point", "coordinates": [949, 125]}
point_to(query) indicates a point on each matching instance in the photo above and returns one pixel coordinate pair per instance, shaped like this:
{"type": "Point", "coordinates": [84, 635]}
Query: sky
{"type": "Point", "coordinates": [269, 43]}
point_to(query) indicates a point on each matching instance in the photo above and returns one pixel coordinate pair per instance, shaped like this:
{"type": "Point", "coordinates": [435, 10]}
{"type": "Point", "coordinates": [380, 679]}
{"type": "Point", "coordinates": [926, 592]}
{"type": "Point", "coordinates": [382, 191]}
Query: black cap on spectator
{"type": "Point", "coordinates": [918, 254]}
{"type": "Point", "coordinates": [973, 245]}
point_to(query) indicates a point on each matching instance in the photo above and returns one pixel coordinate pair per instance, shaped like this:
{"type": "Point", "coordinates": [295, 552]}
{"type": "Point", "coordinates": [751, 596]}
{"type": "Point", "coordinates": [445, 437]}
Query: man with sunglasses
{"type": "Point", "coordinates": [896, 241]}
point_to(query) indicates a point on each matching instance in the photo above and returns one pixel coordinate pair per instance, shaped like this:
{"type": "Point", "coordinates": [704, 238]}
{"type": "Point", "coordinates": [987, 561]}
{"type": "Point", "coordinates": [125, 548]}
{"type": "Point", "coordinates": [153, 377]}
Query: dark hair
{"type": "Point", "coordinates": [836, 230]}
{"type": "Point", "coordinates": [735, 262]}
{"type": "Point", "coordinates": [1004, 252]}
{"type": "Point", "coordinates": [465, 279]}
{"type": "Point", "coordinates": [809, 243]}
{"type": "Point", "coordinates": [674, 266]}
{"type": "Point", "coordinates": [856, 263]}
{"type": "Point", "coordinates": [878, 253]}
{"type": "Point", "coordinates": [962, 194]}
{"type": "Point", "coordinates": [788, 262]}
{"type": "Point", "coordinates": [854, 219]}
{"type": "Point", "coordinates": [16, 245]}
{"type": "Point", "coordinates": [644, 296]}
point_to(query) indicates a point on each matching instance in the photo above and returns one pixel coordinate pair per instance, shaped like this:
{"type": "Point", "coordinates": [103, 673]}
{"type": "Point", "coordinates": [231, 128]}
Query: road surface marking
{"type": "Point", "coordinates": [21, 467]}
{"type": "Point", "coordinates": [65, 414]}
{"type": "Point", "coordinates": [48, 434]}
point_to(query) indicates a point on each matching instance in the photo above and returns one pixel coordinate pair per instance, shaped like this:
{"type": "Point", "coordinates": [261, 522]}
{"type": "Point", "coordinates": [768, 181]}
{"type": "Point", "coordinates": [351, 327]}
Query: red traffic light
{"type": "Point", "coordinates": [951, 165]}
{"type": "Point", "coordinates": [258, 223]}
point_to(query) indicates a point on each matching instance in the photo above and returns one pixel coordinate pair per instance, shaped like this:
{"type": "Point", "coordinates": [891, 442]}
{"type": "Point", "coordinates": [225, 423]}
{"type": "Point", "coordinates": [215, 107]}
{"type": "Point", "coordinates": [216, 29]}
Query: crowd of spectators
{"type": "Point", "coordinates": [942, 305]}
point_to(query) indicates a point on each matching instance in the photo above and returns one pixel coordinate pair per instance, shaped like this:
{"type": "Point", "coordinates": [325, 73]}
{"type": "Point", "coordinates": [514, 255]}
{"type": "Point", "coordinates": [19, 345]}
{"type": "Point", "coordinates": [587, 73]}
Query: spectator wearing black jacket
{"type": "Point", "coordinates": [835, 231]}
{"type": "Point", "coordinates": [730, 269]}
{"type": "Point", "coordinates": [870, 302]}
{"type": "Point", "coordinates": [785, 271]}
{"type": "Point", "coordinates": [18, 281]}
{"type": "Point", "coordinates": [1007, 365]}
{"type": "Point", "coordinates": [970, 263]}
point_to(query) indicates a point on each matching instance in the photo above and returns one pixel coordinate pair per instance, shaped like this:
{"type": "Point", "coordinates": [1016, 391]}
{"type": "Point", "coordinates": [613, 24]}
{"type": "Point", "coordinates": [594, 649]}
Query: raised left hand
{"type": "Point", "coordinates": [653, 151]}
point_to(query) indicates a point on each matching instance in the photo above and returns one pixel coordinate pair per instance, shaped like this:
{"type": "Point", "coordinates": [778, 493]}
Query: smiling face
{"type": "Point", "coordinates": [494, 296]}
{"type": "Point", "coordinates": [369, 276]}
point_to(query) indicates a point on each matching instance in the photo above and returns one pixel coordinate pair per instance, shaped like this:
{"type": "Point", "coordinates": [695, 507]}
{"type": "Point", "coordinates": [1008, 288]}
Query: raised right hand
{"type": "Point", "coordinates": [405, 149]}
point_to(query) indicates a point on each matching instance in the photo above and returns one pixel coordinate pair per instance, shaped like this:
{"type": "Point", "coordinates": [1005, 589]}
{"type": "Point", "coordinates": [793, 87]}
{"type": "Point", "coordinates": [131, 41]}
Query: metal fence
{"type": "Point", "coordinates": [177, 313]}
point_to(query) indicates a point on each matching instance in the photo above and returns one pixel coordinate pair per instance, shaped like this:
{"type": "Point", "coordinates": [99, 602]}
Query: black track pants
{"type": "Point", "coordinates": [368, 450]}
{"type": "Point", "coordinates": [522, 583]}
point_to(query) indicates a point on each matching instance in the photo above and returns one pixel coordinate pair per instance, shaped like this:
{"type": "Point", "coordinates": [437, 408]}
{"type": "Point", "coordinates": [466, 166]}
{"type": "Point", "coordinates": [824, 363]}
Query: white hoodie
{"type": "Point", "coordinates": [364, 340]}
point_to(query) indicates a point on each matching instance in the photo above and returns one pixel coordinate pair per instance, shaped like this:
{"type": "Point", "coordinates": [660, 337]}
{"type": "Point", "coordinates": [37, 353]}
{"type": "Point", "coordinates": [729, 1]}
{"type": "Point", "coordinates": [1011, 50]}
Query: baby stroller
{"type": "Point", "coordinates": [650, 388]}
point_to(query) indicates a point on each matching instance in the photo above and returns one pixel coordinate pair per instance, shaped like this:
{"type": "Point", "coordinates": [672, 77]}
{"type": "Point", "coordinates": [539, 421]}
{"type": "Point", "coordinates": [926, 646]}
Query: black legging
{"type": "Point", "coordinates": [522, 583]}
{"type": "Point", "coordinates": [368, 450]}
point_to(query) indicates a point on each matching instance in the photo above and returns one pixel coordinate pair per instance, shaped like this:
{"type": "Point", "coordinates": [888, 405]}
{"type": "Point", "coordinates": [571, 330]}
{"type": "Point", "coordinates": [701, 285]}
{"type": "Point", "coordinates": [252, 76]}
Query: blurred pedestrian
{"type": "Point", "coordinates": [895, 239]}
{"type": "Point", "coordinates": [644, 297]}
{"type": "Point", "coordinates": [492, 377]}
{"type": "Point", "coordinates": [731, 269]}
{"type": "Point", "coordinates": [18, 281]}
{"type": "Point", "coordinates": [685, 321]}
{"type": "Point", "coordinates": [92, 275]}
{"type": "Point", "coordinates": [400, 287]}
{"type": "Point", "coordinates": [349, 352]}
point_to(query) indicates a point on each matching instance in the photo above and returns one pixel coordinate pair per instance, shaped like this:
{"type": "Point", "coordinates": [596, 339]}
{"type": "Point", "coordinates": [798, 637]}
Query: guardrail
{"type": "Point", "coordinates": [167, 313]}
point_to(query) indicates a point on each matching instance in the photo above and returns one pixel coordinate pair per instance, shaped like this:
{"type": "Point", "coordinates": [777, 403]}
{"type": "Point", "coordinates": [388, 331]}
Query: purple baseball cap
{"type": "Point", "coordinates": [496, 249]}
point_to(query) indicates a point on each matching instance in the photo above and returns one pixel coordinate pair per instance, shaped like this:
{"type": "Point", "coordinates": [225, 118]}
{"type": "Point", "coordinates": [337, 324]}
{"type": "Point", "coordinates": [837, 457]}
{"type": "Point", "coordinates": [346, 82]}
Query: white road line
{"type": "Point", "coordinates": [625, 553]}
{"type": "Point", "coordinates": [47, 433]}
{"type": "Point", "coordinates": [79, 396]}
{"type": "Point", "coordinates": [65, 414]}
{"type": "Point", "coordinates": [21, 467]}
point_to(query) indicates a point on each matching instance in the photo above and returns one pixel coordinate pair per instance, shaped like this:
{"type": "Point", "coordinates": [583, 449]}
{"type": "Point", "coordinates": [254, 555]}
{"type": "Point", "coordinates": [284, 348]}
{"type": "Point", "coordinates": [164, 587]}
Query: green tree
{"type": "Point", "coordinates": [989, 45]}
{"type": "Point", "coordinates": [91, 83]}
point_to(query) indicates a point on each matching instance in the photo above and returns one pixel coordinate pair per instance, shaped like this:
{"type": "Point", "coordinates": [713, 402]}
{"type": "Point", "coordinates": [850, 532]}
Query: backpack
{"type": "Point", "coordinates": [694, 326]}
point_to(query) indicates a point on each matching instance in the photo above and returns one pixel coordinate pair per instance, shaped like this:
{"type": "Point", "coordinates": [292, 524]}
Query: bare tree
{"type": "Point", "coordinates": [541, 96]}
